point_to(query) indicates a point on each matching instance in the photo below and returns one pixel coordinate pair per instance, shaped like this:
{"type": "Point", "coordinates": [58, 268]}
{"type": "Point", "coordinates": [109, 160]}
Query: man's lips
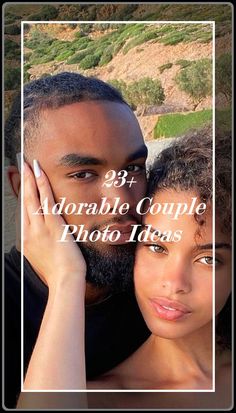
{"type": "Point", "coordinates": [169, 309]}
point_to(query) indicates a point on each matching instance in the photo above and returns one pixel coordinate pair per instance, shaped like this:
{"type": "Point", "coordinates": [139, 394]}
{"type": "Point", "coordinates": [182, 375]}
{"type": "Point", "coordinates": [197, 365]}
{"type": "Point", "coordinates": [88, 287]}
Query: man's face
{"type": "Point", "coordinates": [76, 145]}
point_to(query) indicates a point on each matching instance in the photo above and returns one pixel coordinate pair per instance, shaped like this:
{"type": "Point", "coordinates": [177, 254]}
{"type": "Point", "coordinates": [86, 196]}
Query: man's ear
{"type": "Point", "coordinates": [14, 179]}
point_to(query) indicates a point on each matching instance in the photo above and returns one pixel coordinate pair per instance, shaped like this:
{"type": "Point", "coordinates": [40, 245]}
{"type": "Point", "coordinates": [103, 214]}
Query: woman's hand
{"type": "Point", "coordinates": [54, 261]}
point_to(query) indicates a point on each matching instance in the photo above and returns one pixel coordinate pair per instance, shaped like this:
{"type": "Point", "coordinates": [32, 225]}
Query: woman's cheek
{"type": "Point", "coordinates": [143, 271]}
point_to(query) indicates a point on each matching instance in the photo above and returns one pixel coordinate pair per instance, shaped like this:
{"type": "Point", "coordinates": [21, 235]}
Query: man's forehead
{"type": "Point", "coordinates": [88, 109]}
{"type": "Point", "coordinates": [80, 159]}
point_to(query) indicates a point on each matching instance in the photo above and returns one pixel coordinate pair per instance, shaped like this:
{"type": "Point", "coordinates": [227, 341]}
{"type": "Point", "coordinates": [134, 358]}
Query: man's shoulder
{"type": "Point", "coordinates": [12, 270]}
{"type": "Point", "coordinates": [13, 276]}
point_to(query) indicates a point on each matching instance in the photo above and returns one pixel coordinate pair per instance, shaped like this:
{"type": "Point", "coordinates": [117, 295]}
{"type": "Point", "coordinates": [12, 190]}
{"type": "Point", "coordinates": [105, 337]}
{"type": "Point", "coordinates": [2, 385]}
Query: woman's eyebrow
{"type": "Point", "coordinates": [218, 245]}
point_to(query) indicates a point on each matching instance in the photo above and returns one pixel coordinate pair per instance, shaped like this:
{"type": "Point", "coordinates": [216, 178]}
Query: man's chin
{"type": "Point", "coordinates": [109, 265]}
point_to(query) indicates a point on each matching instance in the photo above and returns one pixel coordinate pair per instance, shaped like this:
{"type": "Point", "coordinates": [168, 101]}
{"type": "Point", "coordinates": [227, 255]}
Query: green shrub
{"type": "Point", "coordinates": [27, 57]}
{"type": "Point", "coordinates": [145, 92]}
{"type": "Point", "coordinates": [224, 75]}
{"type": "Point", "coordinates": [64, 55]}
{"type": "Point", "coordinates": [177, 124]}
{"type": "Point", "coordinates": [76, 58]}
{"type": "Point", "coordinates": [119, 85]}
{"type": "Point", "coordinates": [79, 35]}
{"type": "Point", "coordinates": [38, 39]}
{"type": "Point", "coordinates": [85, 29]}
{"type": "Point", "coordinates": [173, 39]}
{"type": "Point", "coordinates": [196, 80]}
{"type": "Point", "coordinates": [183, 63]}
{"type": "Point", "coordinates": [224, 120]}
{"type": "Point", "coordinates": [47, 12]}
{"type": "Point", "coordinates": [143, 38]}
{"type": "Point", "coordinates": [12, 29]}
{"type": "Point", "coordinates": [90, 61]}
{"type": "Point", "coordinates": [12, 77]}
{"type": "Point", "coordinates": [10, 17]}
{"type": "Point", "coordinates": [81, 43]}
{"type": "Point", "coordinates": [27, 66]}
{"type": "Point", "coordinates": [118, 46]}
{"type": "Point", "coordinates": [105, 59]}
{"type": "Point", "coordinates": [165, 66]}
{"type": "Point", "coordinates": [12, 49]}
{"type": "Point", "coordinates": [126, 12]}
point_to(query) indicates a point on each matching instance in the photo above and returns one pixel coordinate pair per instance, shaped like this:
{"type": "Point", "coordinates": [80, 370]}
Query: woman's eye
{"type": "Point", "coordinates": [156, 248]}
{"type": "Point", "coordinates": [208, 260]}
{"type": "Point", "coordinates": [135, 168]}
{"type": "Point", "coordinates": [81, 175]}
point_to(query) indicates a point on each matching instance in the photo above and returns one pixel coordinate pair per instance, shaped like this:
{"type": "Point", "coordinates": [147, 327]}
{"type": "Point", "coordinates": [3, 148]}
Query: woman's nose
{"type": "Point", "coordinates": [177, 278]}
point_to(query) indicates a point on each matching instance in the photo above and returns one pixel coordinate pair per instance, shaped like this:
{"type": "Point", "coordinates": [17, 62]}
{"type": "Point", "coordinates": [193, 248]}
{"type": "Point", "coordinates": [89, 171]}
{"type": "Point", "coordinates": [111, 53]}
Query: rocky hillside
{"type": "Point", "coordinates": [126, 53]}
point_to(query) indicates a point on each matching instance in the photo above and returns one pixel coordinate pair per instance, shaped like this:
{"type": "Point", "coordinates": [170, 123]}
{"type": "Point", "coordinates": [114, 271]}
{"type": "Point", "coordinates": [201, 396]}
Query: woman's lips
{"type": "Point", "coordinates": [168, 309]}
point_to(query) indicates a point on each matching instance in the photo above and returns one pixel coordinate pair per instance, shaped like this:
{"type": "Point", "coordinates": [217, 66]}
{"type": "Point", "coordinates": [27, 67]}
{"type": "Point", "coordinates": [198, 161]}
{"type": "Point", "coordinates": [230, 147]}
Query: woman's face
{"type": "Point", "coordinates": [173, 280]}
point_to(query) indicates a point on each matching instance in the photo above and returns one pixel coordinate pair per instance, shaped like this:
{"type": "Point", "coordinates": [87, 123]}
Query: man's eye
{"type": "Point", "coordinates": [208, 260]}
{"type": "Point", "coordinates": [81, 175]}
{"type": "Point", "coordinates": [156, 248]}
{"type": "Point", "coordinates": [135, 168]}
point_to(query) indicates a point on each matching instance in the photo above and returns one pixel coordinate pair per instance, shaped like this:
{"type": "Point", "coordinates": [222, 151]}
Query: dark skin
{"type": "Point", "coordinates": [76, 145]}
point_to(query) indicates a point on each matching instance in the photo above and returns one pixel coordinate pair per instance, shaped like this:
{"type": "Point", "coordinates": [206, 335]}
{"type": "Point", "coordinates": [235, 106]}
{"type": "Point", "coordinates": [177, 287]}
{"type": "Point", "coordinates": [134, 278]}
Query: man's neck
{"type": "Point", "coordinates": [94, 294]}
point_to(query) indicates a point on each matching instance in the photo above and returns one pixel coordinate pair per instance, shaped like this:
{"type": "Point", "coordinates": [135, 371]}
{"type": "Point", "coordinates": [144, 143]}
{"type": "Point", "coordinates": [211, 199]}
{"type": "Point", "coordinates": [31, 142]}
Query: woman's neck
{"type": "Point", "coordinates": [182, 359]}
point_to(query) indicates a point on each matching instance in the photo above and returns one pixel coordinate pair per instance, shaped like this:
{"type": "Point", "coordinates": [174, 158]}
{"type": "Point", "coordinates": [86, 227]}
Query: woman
{"type": "Point", "coordinates": [173, 281]}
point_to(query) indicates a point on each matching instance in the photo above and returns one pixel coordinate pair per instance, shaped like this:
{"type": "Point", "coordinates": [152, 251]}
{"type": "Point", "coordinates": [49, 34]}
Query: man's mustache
{"type": "Point", "coordinates": [117, 220]}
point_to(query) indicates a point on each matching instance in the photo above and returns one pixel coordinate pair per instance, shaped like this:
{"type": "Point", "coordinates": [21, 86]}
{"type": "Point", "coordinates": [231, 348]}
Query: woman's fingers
{"type": "Point", "coordinates": [46, 196]}
{"type": "Point", "coordinates": [31, 198]}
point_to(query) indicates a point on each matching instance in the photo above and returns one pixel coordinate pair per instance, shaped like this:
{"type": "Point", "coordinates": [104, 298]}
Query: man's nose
{"type": "Point", "coordinates": [118, 195]}
{"type": "Point", "coordinates": [176, 277]}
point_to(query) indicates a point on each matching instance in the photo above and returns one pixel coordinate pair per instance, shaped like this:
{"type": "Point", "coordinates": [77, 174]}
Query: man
{"type": "Point", "coordinates": [78, 129]}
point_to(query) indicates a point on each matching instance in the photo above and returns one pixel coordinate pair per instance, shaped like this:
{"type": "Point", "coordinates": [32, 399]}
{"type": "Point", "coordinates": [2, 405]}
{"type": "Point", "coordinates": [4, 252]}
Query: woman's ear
{"type": "Point", "coordinates": [14, 178]}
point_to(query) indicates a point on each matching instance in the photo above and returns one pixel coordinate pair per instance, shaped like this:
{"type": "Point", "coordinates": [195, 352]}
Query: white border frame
{"type": "Point", "coordinates": [213, 203]}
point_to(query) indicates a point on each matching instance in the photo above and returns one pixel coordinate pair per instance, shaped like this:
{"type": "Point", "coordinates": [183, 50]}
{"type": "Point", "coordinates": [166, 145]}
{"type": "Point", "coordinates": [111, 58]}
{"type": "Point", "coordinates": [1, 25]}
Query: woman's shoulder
{"type": "Point", "coordinates": [224, 368]}
{"type": "Point", "coordinates": [106, 381]}
{"type": "Point", "coordinates": [120, 377]}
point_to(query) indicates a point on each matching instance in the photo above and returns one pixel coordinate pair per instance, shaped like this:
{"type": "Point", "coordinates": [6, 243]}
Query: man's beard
{"type": "Point", "coordinates": [111, 268]}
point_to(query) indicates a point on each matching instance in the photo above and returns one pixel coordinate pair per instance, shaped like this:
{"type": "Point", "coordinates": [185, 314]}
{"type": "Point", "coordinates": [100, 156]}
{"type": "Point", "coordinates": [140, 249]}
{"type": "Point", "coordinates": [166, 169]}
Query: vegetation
{"type": "Point", "coordinates": [12, 77]}
{"type": "Point", "coordinates": [12, 49]}
{"type": "Point", "coordinates": [13, 29]}
{"type": "Point", "coordinates": [196, 80]}
{"type": "Point", "coordinates": [183, 63]}
{"type": "Point", "coordinates": [165, 66]}
{"type": "Point", "coordinates": [140, 93]}
{"type": "Point", "coordinates": [90, 61]}
{"type": "Point", "coordinates": [224, 75]}
{"type": "Point", "coordinates": [174, 125]}
{"type": "Point", "coordinates": [224, 120]}
{"type": "Point", "coordinates": [47, 12]}
{"type": "Point", "coordinates": [27, 66]}
{"type": "Point", "coordinates": [123, 37]}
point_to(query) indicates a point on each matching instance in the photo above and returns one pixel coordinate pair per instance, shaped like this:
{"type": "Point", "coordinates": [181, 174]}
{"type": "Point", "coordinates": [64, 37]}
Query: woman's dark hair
{"type": "Point", "coordinates": [187, 164]}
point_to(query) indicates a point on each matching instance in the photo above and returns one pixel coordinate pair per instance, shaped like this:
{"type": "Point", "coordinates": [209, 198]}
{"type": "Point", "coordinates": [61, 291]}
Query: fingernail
{"type": "Point", "coordinates": [18, 158]}
{"type": "Point", "coordinates": [37, 170]}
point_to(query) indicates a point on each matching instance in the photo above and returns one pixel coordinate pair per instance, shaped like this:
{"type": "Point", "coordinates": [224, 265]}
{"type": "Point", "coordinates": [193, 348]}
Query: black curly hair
{"type": "Point", "coordinates": [187, 164]}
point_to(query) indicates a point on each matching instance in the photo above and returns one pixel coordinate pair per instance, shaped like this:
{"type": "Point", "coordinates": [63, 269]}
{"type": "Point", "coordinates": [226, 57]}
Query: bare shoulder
{"type": "Point", "coordinates": [106, 381]}
{"type": "Point", "coordinates": [120, 377]}
{"type": "Point", "coordinates": [224, 373]}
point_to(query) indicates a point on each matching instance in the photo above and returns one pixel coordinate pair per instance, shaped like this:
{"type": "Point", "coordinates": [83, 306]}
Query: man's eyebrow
{"type": "Point", "coordinates": [74, 159]}
{"type": "Point", "coordinates": [218, 245]}
{"type": "Point", "coordinates": [141, 152]}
